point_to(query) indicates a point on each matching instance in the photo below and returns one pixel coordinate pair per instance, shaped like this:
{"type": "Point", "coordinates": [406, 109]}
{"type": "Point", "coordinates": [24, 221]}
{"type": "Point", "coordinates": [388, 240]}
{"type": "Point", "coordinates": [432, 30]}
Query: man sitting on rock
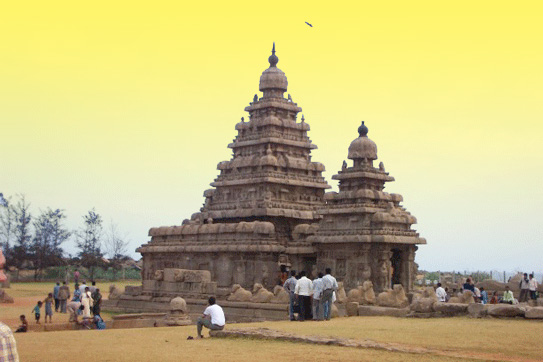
{"type": "Point", "coordinates": [213, 318]}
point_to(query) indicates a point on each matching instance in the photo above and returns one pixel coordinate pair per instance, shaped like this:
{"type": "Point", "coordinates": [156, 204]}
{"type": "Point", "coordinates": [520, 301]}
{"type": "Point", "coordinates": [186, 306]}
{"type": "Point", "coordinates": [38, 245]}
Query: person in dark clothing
{"type": "Point", "coordinates": [97, 299]}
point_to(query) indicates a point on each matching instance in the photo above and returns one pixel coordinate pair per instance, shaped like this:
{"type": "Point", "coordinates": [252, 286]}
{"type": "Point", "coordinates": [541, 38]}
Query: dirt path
{"type": "Point", "coordinates": [265, 333]}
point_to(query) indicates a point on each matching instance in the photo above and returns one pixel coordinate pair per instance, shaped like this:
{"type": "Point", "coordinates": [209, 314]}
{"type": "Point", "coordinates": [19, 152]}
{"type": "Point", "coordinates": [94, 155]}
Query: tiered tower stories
{"type": "Point", "coordinates": [244, 231]}
{"type": "Point", "coordinates": [365, 233]}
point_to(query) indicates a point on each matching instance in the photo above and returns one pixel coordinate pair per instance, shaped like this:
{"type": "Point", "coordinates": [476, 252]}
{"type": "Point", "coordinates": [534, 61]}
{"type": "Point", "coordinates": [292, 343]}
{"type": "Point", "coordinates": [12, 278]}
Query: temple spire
{"type": "Point", "coordinates": [273, 59]}
{"type": "Point", "coordinates": [362, 130]}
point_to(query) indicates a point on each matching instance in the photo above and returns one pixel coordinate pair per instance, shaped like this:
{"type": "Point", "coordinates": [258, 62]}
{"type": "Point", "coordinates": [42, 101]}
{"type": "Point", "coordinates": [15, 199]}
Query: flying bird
{"type": "Point", "coordinates": [309, 24]}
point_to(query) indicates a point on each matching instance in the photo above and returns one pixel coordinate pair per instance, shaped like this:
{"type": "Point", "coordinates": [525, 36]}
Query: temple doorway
{"type": "Point", "coordinates": [396, 266]}
{"type": "Point", "coordinates": [310, 267]}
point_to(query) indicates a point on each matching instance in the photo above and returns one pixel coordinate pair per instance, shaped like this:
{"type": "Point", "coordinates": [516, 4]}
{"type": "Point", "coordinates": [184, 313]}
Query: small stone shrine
{"type": "Point", "coordinates": [268, 209]}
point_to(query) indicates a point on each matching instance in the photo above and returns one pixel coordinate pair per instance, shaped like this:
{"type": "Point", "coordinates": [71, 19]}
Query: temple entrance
{"type": "Point", "coordinates": [396, 266]}
{"type": "Point", "coordinates": [310, 267]}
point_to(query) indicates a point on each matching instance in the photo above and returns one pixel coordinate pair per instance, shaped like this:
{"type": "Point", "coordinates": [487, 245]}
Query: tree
{"type": "Point", "coordinates": [89, 242]}
{"type": "Point", "coordinates": [7, 225]}
{"type": "Point", "coordinates": [116, 249]}
{"type": "Point", "coordinates": [49, 234]}
{"type": "Point", "coordinates": [20, 252]}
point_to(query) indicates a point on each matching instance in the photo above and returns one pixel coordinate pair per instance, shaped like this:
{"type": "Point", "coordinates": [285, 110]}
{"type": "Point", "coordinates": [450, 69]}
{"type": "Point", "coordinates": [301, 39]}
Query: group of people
{"type": "Point", "coordinates": [310, 299]}
{"type": "Point", "coordinates": [86, 301]}
{"type": "Point", "coordinates": [528, 290]}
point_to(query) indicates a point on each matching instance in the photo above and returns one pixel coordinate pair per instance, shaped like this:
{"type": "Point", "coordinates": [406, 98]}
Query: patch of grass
{"type": "Point", "coordinates": [508, 339]}
{"type": "Point", "coordinates": [171, 344]}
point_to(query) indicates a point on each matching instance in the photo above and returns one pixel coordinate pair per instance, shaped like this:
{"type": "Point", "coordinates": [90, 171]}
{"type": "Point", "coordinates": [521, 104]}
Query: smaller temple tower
{"type": "Point", "coordinates": [365, 234]}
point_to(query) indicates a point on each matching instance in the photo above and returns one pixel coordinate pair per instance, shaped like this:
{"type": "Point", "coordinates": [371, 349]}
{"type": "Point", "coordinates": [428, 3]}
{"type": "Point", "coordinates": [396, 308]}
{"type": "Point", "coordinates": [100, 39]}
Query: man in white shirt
{"type": "Point", "coordinates": [441, 294]}
{"type": "Point", "coordinates": [304, 289]}
{"type": "Point", "coordinates": [533, 287]}
{"type": "Point", "coordinates": [329, 287]}
{"type": "Point", "coordinates": [213, 318]}
{"type": "Point", "coordinates": [318, 286]}
{"type": "Point", "coordinates": [82, 287]}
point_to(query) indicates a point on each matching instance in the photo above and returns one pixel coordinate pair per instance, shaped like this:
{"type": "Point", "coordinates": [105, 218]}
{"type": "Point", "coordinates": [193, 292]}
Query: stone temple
{"type": "Point", "coordinates": [268, 210]}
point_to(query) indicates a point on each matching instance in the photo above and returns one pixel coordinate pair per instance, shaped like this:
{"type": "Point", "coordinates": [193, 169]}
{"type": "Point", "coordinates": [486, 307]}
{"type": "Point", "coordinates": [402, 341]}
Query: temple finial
{"type": "Point", "coordinates": [362, 130]}
{"type": "Point", "coordinates": [273, 58]}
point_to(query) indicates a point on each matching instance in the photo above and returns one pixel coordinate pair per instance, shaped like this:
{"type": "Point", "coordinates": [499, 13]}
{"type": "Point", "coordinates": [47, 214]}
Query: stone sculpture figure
{"type": "Point", "coordinates": [363, 294]}
{"type": "Point", "coordinates": [465, 298]}
{"type": "Point", "coordinates": [341, 296]}
{"type": "Point", "coordinates": [423, 302]}
{"type": "Point", "coordinates": [239, 294]}
{"type": "Point", "coordinates": [178, 313]}
{"type": "Point", "coordinates": [261, 294]}
{"type": "Point", "coordinates": [5, 298]}
{"type": "Point", "coordinates": [280, 295]}
{"type": "Point", "coordinates": [394, 297]}
{"type": "Point", "coordinates": [114, 292]}
{"type": "Point", "coordinates": [159, 275]}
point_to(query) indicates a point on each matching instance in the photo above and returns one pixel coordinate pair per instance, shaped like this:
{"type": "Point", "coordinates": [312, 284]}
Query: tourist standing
{"type": "Point", "coordinates": [55, 295]}
{"type": "Point", "coordinates": [86, 302]}
{"type": "Point", "coordinates": [289, 286]}
{"type": "Point", "coordinates": [524, 288]}
{"type": "Point", "coordinates": [82, 287]}
{"type": "Point", "coordinates": [92, 288]}
{"type": "Point", "coordinates": [97, 302]}
{"type": "Point", "coordinates": [533, 287]}
{"type": "Point", "coordinates": [303, 290]}
{"type": "Point", "coordinates": [441, 294]}
{"type": "Point", "coordinates": [37, 312]}
{"type": "Point", "coordinates": [63, 296]}
{"type": "Point", "coordinates": [318, 286]}
{"type": "Point", "coordinates": [49, 308]}
{"type": "Point", "coordinates": [213, 318]}
{"type": "Point", "coordinates": [76, 276]}
{"type": "Point", "coordinates": [8, 345]}
{"type": "Point", "coordinates": [468, 285]}
{"type": "Point", "coordinates": [77, 294]}
{"type": "Point", "coordinates": [329, 287]}
{"type": "Point", "coordinates": [484, 296]}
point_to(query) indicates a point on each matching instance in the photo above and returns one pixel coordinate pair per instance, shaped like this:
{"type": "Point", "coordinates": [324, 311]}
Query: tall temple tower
{"type": "Point", "coordinates": [271, 176]}
{"type": "Point", "coordinates": [263, 198]}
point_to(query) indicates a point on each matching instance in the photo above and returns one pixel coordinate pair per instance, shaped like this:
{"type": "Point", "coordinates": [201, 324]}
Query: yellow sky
{"type": "Point", "coordinates": [129, 106]}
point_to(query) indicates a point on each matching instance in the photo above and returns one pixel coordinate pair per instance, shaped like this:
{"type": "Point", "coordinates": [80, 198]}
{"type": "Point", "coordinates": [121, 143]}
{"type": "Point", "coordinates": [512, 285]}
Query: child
{"type": "Point", "coordinates": [49, 307]}
{"type": "Point", "coordinates": [24, 325]}
{"type": "Point", "coordinates": [99, 322]}
{"type": "Point", "coordinates": [36, 311]}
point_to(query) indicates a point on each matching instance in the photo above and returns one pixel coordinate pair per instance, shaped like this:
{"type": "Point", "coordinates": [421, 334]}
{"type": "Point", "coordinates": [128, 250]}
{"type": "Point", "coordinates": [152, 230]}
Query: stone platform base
{"type": "Point", "coordinates": [369, 310]}
{"type": "Point", "coordinates": [234, 311]}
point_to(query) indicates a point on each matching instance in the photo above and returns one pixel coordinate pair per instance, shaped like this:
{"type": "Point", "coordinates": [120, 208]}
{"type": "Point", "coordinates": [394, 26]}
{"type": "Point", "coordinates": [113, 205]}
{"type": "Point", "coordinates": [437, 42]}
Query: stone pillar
{"type": "Point", "coordinates": [408, 264]}
{"type": "Point", "coordinates": [381, 269]}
